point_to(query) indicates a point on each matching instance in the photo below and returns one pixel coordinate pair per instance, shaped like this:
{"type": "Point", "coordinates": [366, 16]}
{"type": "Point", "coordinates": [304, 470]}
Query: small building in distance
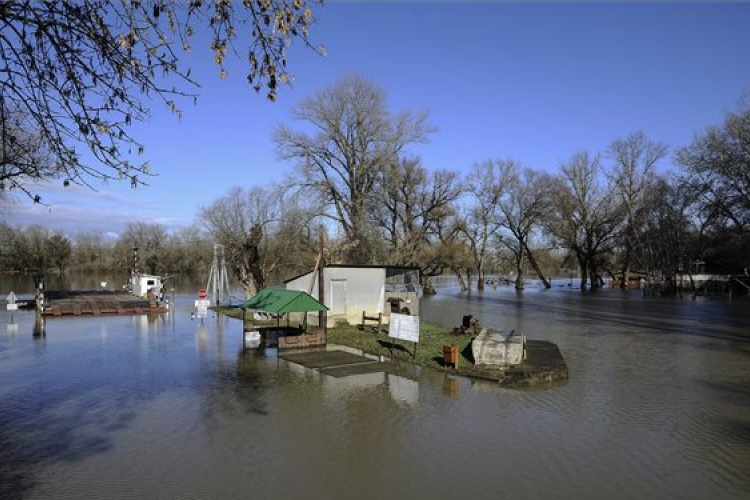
{"type": "Point", "coordinates": [141, 285]}
{"type": "Point", "coordinates": [351, 291]}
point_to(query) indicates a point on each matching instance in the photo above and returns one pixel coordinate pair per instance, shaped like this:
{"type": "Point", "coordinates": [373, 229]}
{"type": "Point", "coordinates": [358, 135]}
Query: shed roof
{"type": "Point", "coordinates": [281, 300]}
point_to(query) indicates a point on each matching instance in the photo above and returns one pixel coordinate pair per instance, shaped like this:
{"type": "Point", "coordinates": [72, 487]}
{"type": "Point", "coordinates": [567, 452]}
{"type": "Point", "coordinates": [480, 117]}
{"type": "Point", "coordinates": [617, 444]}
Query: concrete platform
{"type": "Point", "coordinates": [337, 363]}
{"type": "Point", "coordinates": [544, 366]}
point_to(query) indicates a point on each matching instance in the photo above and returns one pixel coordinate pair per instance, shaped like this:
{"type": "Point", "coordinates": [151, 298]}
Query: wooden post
{"type": "Point", "coordinates": [322, 316]}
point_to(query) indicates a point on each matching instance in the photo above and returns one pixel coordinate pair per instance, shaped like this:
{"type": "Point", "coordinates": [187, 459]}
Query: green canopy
{"type": "Point", "coordinates": [281, 300]}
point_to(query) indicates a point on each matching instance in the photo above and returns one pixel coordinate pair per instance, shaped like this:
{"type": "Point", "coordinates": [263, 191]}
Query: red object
{"type": "Point", "coordinates": [202, 294]}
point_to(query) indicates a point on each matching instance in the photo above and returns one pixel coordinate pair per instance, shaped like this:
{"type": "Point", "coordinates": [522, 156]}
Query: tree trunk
{"type": "Point", "coordinates": [427, 287]}
{"type": "Point", "coordinates": [625, 267]}
{"type": "Point", "coordinates": [461, 281]}
{"type": "Point", "coordinates": [480, 276]}
{"type": "Point", "coordinates": [596, 281]}
{"type": "Point", "coordinates": [535, 266]}
{"type": "Point", "coordinates": [519, 269]}
{"type": "Point", "coordinates": [584, 269]}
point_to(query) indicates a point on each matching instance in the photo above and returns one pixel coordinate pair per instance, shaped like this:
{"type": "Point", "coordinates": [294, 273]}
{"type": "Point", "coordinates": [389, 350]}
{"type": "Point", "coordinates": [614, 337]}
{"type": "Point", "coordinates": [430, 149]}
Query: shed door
{"type": "Point", "coordinates": [338, 298]}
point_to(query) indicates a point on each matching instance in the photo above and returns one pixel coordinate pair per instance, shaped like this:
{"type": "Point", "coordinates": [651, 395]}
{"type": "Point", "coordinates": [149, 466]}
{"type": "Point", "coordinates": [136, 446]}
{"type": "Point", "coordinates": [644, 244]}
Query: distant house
{"type": "Point", "coordinates": [350, 291]}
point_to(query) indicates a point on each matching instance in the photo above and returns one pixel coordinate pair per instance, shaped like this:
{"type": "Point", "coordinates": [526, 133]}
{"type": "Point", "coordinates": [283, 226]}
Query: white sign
{"type": "Point", "coordinates": [404, 327]}
{"type": "Point", "coordinates": [201, 306]}
{"type": "Point", "coordinates": [11, 298]}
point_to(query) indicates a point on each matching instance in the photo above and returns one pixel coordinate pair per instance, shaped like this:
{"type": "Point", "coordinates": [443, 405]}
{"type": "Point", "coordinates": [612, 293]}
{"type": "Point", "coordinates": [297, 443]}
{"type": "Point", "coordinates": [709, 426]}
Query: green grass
{"type": "Point", "coordinates": [429, 351]}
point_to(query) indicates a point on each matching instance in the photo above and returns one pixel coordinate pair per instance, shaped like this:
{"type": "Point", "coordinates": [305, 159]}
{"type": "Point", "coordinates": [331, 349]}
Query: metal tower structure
{"type": "Point", "coordinates": [218, 283]}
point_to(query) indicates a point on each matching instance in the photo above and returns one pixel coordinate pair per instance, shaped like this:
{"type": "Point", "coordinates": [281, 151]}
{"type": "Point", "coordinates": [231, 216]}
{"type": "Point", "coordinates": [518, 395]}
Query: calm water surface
{"type": "Point", "coordinates": [657, 406]}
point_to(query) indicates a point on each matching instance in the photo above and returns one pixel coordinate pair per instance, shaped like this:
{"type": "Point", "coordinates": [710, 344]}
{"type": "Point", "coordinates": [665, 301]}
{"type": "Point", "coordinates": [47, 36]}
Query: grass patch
{"type": "Point", "coordinates": [429, 351]}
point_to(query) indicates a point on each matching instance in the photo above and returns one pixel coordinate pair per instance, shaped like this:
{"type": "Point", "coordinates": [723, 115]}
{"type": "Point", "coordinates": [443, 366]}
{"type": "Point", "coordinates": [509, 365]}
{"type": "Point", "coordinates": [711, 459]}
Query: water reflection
{"type": "Point", "coordinates": [40, 326]}
{"type": "Point", "coordinates": [451, 385]}
{"type": "Point", "coordinates": [403, 390]}
{"type": "Point", "coordinates": [657, 406]}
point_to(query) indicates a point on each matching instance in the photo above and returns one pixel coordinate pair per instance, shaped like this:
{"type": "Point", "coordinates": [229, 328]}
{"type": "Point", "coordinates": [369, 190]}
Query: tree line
{"type": "Point", "coordinates": [79, 75]}
{"type": "Point", "coordinates": [356, 194]}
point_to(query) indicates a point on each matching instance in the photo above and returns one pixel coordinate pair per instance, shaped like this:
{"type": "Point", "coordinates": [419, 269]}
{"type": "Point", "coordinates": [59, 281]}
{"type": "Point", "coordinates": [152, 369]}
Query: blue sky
{"type": "Point", "coordinates": [536, 83]}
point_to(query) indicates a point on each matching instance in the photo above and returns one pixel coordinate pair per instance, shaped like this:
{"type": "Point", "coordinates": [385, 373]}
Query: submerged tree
{"type": "Point", "coordinates": [667, 234]}
{"type": "Point", "coordinates": [486, 184]}
{"type": "Point", "coordinates": [586, 216]}
{"type": "Point", "coordinates": [80, 73]}
{"type": "Point", "coordinates": [524, 208]}
{"type": "Point", "coordinates": [635, 159]}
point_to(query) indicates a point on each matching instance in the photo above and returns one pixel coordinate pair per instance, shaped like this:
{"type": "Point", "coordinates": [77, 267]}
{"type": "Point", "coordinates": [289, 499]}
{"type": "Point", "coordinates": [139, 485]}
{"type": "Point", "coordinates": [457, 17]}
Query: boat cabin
{"type": "Point", "coordinates": [143, 284]}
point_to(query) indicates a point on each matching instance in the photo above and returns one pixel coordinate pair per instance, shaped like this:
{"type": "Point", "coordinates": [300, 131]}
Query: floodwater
{"type": "Point", "coordinates": [657, 406]}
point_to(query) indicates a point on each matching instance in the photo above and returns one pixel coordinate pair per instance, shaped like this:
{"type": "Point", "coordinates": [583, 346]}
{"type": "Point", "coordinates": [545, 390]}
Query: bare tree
{"type": "Point", "coordinates": [667, 234]}
{"type": "Point", "coordinates": [453, 253]}
{"type": "Point", "coordinates": [261, 234]}
{"type": "Point", "coordinates": [8, 240]}
{"type": "Point", "coordinates": [188, 251]}
{"type": "Point", "coordinates": [635, 159]}
{"type": "Point", "coordinates": [31, 248]}
{"type": "Point", "coordinates": [80, 73]}
{"type": "Point", "coordinates": [486, 184]}
{"type": "Point", "coordinates": [356, 138]}
{"type": "Point", "coordinates": [23, 153]}
{"type": "Point", "coordinates": [410, 204]}
{"type": "Point", "coordinates": [587, 215]}
{"type": "Point", "coordinates": [91, 252]}
{"type": "Point", "coordinates": [717, 167]}
{"type": "Point", "coordinates": [144, 241]}
{"type": "Point", "coordinates": [59, 250]}
{"type": "Point", "coordinates": [524, 207]}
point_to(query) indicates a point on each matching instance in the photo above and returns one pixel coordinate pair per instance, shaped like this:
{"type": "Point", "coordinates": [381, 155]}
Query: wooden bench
{"type": "Point", "coordinates": [375, 319]}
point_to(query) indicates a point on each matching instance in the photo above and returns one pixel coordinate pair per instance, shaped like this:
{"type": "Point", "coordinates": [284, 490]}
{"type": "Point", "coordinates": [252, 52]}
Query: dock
{"type": "Point", "coordinates": [97, 303]}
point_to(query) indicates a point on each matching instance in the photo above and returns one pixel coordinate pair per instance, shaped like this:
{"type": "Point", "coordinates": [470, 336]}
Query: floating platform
{"type": "Point", "coordinates": [97, 303]}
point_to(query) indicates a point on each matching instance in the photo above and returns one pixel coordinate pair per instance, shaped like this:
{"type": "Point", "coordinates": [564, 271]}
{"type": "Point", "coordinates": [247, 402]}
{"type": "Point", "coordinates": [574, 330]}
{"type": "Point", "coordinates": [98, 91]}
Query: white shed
{"type": "Point", "coordinates": [350, 291]}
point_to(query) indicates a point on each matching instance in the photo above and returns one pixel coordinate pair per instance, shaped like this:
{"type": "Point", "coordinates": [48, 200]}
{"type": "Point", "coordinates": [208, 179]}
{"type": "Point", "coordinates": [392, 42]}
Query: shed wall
{"type": "Point", "coordinates": [348, 292]}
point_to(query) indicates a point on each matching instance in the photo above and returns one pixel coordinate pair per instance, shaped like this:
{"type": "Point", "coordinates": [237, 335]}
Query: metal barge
{"type": "Point", "coordinates": [97, 303]}
{"type": "Point", "coordinates": [144, 294]}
